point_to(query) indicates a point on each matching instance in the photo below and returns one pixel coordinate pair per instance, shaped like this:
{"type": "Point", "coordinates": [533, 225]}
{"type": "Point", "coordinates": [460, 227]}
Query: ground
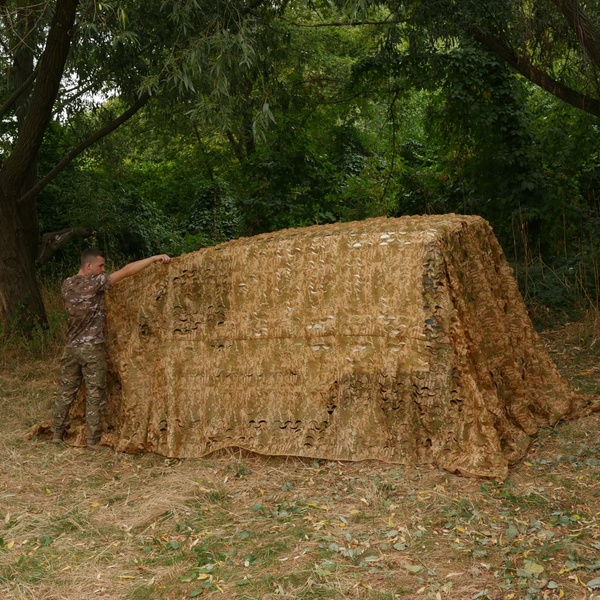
{"type": "Point", "coordinates": [78, 523]}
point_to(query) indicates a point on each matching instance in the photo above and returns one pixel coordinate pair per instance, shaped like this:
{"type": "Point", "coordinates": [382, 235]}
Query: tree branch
{"type": "Point", "coordinates": [74, 152]}
{"type": "Point", "coordinates": [236, 146]}
{"type": "Point", "coordinates": [251, 6]}
{"type": "Point", "coordinates": [340, 23]}
{"type": "Point", "coordinates": [15, 95]}
{"type": "Point", "coordinates": [53, 241]}
{"type": "Point", "coordinates": [584, 28]}
{"type": "Point", "coordinates": [525, 67]}
{"type": "Point", "coordinates": [70, 99]}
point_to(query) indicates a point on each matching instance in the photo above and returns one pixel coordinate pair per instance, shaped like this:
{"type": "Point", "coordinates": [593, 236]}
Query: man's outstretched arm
{"type": "Point", "coordinates": [137, 266]}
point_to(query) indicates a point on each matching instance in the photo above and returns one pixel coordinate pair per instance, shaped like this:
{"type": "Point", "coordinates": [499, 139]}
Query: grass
{"type": "Point", "coordinates": [78, 524]}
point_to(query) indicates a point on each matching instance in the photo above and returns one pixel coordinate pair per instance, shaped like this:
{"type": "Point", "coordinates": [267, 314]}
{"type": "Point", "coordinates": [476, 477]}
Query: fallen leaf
{"type": "Point", "coordinates": [594, 584]}
{"type": "Point", "coordinates": [533, 567]}
{"type": "Point", "coordinates": [413, 568]}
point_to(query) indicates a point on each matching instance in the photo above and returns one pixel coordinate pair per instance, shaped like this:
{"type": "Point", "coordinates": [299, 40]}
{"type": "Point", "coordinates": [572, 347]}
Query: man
{"type": "Point", "coordinates": [85, 353]}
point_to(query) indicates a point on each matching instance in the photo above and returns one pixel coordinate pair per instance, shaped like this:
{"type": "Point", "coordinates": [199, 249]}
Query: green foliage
{"type": "Point", "coordinates": [213, 215]}
{"type": "Point", "coordinates": [141, 193]}
{"type": "Point", "coordinates": [44, 342]}
{"type": "Point", "coordinates": [278, 126]}
{"type": "Point", "coordinates": [129, 226]}
{"type": "Point", "coordinates": [125, 224]}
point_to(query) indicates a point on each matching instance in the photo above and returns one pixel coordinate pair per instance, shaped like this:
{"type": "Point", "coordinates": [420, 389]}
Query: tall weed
{"type": "Point", "coordinates": [45, 341]}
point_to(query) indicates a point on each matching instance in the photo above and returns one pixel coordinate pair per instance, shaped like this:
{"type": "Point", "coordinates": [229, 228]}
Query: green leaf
{"type": "Point", "coordinates": [242, 470]}
{"type": "Point", "coordinates": [546, 533]}
{"type": "Point", "coordinates": [413, 568]}
{"type": "Point", "coordinates": [533, 567]}
{"type": "Point", "coordinates": [244, 535]}
{"type": "Point", "coordinates": [512, 532]}
{"type": "Point", "coordinates": [552, 585]}
{"type": "Point", "coordinates": [195, 593]}
{"type": "Point", "coordinates": [594, 584]}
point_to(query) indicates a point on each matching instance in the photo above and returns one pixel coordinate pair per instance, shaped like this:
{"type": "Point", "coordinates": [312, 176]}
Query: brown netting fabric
{"type": "Point", "coordinates": [402, 340]}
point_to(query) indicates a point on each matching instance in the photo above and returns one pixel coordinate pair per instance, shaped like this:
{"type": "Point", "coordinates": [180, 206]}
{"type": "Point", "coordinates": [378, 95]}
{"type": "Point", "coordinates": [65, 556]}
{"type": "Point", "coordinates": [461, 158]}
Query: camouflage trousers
{"type": "Point", "coordinates": [86, 363]}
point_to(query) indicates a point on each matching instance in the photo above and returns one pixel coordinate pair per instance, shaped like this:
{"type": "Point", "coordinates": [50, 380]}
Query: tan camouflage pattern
{"type": "Point", "coordinates": [402, 340]}
{"type": "Point", "coordinates": [83, 299]}
{"type": "Point", "coordinates": [79, 363]}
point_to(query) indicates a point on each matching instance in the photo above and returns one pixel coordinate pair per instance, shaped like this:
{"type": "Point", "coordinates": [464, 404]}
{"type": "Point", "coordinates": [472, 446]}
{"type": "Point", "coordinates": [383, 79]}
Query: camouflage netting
{"type": "Point", "coordinates": [403, 340]}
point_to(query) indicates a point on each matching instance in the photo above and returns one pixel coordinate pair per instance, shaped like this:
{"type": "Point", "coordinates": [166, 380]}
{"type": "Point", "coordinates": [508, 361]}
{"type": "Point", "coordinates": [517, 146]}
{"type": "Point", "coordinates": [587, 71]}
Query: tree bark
{"type": "Point", "coordinates": [52, 63]}
{"type": "Point", "coordinates": [22, 71]}
{"type": "Point", "coordinates": [21, 305]}
{"type": "Point", "coordinates": [19, 91]}
{"type": "Point", "coordinates": [20, 300]}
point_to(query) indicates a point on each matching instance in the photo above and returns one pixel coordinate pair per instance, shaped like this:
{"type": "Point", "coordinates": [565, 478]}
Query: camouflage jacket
{"type": "Point", "coordinates": [83, 298]}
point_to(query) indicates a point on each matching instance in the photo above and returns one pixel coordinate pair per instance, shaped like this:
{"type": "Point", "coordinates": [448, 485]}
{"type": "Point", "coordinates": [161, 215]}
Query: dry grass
{"type": "Point", "coordinates": [78, 524]}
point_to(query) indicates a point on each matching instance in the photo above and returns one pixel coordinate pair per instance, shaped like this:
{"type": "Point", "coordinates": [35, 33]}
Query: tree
{"type": "Point", "coordinates": [18, 288]}
{"type": "Point", "coordinates": [56, 57]}
{"type": "Point", "coordinates": [36, 46]}
{"type": "Point", "coordinates": [555, 44]}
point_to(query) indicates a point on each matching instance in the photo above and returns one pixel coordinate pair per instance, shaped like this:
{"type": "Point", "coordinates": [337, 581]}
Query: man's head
{"type": "Point", "coordinates": [92, 262]}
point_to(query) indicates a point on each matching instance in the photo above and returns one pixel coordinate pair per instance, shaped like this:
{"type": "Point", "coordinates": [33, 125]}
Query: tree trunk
{"type": "Point", "coordinates": [23, 68]}
{"type": "Point", "coordinates": [21, 305]}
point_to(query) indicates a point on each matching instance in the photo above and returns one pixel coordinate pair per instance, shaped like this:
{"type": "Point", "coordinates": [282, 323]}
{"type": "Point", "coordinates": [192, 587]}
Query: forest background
{"type": "Point", "coordinates": [147, 127]}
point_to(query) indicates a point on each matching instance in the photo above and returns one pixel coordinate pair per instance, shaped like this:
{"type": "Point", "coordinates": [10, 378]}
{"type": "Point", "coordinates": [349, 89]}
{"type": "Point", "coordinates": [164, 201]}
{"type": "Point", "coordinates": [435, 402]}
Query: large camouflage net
{"type": "Point", "coordinates": [402, 340]}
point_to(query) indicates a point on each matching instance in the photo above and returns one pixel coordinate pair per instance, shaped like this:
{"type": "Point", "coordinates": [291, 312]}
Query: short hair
{"type": "Point", "coordinates": [89, 255]}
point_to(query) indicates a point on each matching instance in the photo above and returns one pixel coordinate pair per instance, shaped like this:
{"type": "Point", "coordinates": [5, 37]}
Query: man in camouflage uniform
{"type": "Point", "coordinates": [85, 353]}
